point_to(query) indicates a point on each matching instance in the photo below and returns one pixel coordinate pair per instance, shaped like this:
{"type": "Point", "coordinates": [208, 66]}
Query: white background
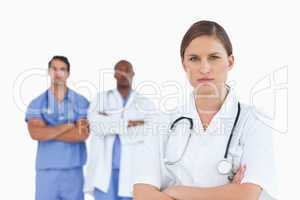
{"type": "Point", "coordinates": [94, 35]}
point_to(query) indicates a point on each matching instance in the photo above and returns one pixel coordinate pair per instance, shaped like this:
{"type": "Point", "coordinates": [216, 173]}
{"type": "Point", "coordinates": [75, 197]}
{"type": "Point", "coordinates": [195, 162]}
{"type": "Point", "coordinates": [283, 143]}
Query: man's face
{"type": "Point", "coordinates": [124, 75]}
{"type": "Point", "coordinates": [58, 72]}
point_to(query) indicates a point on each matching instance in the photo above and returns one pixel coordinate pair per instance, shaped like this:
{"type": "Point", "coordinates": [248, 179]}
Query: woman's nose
{"type": "Point", "coordinates": [205, 67]}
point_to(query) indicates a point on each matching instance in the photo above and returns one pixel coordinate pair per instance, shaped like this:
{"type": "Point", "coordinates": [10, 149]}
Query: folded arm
{"type": "Point", "coordinates": [77, 133]}
{"type": "Point", "coordinates": [40, 131]}
{"type": "Point", "coordinates": [225, 192]}
{"type": "Point", "coordinates": [232, 191]}
{"type": "Point", "coordinates": [148, 192]}
{"type": "Point", "coordinates": [103, 124]}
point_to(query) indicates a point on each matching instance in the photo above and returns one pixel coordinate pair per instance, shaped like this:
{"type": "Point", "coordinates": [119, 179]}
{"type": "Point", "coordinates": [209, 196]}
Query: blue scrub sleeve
{"type": "Point", "coordinates": [81, 109]}
{"type": "Point", "coordinates": [34, 110]}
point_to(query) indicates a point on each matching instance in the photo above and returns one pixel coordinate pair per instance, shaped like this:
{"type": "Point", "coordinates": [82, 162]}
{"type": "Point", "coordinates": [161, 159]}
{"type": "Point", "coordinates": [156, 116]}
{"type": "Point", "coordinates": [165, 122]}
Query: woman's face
{"type": "Point", "coordinates": [206, 63]}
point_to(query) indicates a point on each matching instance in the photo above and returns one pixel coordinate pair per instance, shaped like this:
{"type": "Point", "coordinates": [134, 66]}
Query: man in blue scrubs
{"type": "Point", "coordinates": [57, 120]}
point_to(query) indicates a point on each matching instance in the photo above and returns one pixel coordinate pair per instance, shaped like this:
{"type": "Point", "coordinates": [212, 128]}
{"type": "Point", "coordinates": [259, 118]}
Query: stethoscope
{"type": "Point", "coordinates": [107, 98]}
{"type": "Point", "coordinates": [225, 166]}
{"type": "Point", "coordinates": [49, 111]}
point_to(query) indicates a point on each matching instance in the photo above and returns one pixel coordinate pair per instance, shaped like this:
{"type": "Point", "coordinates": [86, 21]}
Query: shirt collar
{"type": "Point", "coordinates": [226, 114]}
{"type": "Point", "coordinates": [68, 97]}
{"type": "Point", "coordinates": [130, 97]}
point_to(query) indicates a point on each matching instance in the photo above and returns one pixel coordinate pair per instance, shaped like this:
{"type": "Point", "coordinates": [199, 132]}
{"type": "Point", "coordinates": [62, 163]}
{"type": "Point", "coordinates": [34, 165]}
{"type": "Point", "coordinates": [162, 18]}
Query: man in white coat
{"type": "Point", "coordinates": [117, 120]}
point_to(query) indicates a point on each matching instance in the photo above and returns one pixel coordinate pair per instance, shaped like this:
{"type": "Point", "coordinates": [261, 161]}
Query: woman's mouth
{"type": "Point", "coordinates": [205, 80]}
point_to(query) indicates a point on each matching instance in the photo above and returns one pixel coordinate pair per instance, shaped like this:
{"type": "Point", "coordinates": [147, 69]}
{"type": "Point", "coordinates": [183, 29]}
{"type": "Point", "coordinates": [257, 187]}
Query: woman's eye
{"type": "Point", "coordinates": [193, 59]}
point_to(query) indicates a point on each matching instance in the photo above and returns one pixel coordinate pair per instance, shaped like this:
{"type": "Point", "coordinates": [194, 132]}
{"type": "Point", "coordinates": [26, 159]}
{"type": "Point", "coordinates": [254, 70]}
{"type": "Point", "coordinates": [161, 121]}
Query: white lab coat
{"type": "Point", "coordinates": [103, 130]}
{"type": "Point", "coordinates": [251, 145]}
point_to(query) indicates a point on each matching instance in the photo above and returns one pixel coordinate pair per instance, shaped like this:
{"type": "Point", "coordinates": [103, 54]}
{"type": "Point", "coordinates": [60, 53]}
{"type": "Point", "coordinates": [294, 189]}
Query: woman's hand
{"type": "Point", "coordinates": [171, 191]}
{"type": "Point", "coordinates": [238, 177]}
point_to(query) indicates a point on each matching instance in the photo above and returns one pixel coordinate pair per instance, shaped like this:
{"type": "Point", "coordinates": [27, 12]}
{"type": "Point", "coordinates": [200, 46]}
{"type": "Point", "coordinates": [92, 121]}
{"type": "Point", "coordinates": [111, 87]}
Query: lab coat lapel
{"type": "Point", "coordinates": [131, 99]}
{"type": "Point", "coordinates": [225, 116]}
{"type": "Point", "coordinates": [120, 98]}
{"type": "Point", "coordinates": [222, 122]}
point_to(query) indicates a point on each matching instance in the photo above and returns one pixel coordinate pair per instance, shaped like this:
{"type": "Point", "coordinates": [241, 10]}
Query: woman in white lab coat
{"type": "Point", "coordinates": [212, 148]}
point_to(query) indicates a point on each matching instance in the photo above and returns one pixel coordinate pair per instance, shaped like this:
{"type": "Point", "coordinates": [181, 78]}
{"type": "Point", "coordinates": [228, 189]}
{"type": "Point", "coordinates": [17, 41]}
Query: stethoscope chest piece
{"type": "Point", "coordinates": [224, 167]}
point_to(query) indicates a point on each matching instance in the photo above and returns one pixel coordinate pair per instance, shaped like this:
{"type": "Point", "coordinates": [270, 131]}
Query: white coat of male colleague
{"type": "Point", "coordinates": [117, 120]}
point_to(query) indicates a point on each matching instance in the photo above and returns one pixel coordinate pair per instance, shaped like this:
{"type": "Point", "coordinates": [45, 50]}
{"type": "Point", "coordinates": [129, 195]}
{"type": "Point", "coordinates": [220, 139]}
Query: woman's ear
{"type": "Point", "coordinates": [230, 62]}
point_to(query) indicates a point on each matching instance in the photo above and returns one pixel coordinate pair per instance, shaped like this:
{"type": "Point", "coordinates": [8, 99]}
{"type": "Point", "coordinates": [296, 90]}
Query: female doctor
{"type": "Point", "coordinates": [200, 151]}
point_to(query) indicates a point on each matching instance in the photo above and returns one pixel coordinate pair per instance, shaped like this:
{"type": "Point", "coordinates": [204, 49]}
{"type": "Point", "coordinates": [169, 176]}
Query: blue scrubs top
{"type": "Point", "coordinates": [56, 154]}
